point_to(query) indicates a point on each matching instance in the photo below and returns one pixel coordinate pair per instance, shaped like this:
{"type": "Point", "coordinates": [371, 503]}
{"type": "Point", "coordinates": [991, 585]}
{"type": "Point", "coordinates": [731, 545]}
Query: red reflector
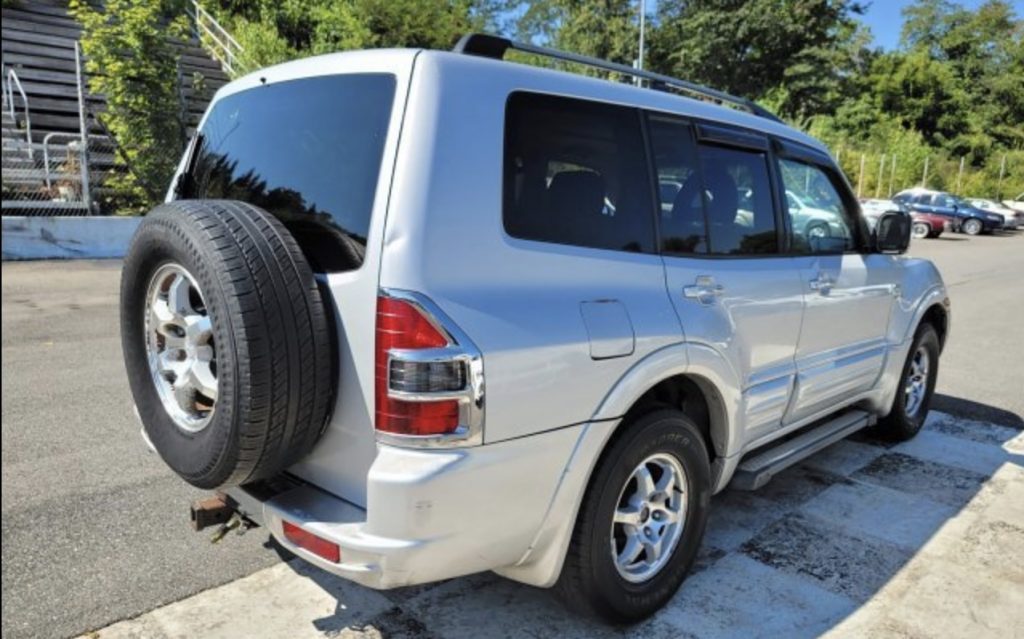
{"type": "Point", "coordinates": [316, 545]}
{"type": "Point", "coordinates": [401, 325]}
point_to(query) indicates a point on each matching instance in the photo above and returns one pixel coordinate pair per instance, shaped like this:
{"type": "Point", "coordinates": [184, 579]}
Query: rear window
{"type": "Point", "coordinates": [576, 173]}
{"type": "Point", "coordinates": [309, 152]}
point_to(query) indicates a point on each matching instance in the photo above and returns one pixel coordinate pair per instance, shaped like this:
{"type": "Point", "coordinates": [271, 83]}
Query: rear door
{"type": "Point", "coordinates": [848, 291]}
{"type": "Point", "coordinates": [734, 293]}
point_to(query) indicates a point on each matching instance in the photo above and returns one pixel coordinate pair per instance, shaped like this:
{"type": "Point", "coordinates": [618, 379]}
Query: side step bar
{"type": "Point", "coordinates": [755, 471]}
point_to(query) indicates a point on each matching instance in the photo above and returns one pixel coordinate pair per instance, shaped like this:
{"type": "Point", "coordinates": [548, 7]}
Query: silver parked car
{"type": "Point", "coordinates": [422, 314]}
{"type": "Point", "coordinates": [1013, 218]}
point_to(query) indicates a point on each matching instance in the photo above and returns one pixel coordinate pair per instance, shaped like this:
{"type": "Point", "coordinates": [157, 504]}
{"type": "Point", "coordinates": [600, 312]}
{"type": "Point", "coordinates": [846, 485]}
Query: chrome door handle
{"type": "Point", "coordinates": [823, 284]}
{"type": "Point", "coordinates": [704, 290]}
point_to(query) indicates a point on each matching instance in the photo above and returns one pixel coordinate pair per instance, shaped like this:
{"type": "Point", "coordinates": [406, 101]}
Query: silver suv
{"type": "Point", "coordinates": [423, 314]}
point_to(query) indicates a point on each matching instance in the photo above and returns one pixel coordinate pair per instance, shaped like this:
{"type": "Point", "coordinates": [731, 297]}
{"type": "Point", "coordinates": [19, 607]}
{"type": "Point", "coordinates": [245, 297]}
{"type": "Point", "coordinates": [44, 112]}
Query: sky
{"type": "Point", "coordinates": [885, 20]}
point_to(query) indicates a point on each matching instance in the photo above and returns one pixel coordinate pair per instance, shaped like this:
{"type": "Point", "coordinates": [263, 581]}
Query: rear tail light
{"type": "Point", "coordinates": [429, 376]}
{"type": "Point", "coordinates": [317, 545]}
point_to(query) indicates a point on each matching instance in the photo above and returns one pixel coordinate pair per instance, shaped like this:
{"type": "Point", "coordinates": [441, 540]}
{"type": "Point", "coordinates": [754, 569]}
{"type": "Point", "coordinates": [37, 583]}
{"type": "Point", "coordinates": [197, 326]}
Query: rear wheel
{"type": "Point", "coordinates": [921, 230]}
{"type": "Point", "coordinates": [972, 226]}
{"type": "Point", "coordinates": [641, 521]}
{"type": "Point", "coordinates": [917, 384]}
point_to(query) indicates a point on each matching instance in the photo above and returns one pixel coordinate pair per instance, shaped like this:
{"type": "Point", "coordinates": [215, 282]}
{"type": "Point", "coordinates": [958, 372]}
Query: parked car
{"type": "Point", "coordinates": [966, 218]}
{"type": "Point", "coordinates": [1012, 219]}
{"type": "Point", "coordinates": [922, 225]}
{"type": "Point", "coordinates": [413, 361]}
{"type": "Point", "coordinates": [811, 221]}
{"type": "Point", "coordinates": [1017, 204]}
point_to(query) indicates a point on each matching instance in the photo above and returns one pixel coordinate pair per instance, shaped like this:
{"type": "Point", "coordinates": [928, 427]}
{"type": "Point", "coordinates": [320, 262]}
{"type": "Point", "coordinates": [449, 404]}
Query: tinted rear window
{"type": "Point", "coordinates": [308, 151]}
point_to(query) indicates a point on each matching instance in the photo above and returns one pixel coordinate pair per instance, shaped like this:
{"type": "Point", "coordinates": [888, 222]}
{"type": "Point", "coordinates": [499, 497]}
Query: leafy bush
{"type": "Point", "coordinates": [129, 60]}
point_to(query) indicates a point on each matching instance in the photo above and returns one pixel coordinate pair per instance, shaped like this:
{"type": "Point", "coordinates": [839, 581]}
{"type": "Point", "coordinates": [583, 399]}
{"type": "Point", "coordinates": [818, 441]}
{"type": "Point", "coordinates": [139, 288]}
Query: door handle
{"type": "Point", "coordinates": [823, 284]}
{"type": "Point", "coordinates": [704, 290]}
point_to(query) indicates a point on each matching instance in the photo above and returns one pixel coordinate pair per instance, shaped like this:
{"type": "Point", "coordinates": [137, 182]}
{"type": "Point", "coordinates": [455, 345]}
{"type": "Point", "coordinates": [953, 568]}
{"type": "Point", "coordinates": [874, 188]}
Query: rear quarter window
{"type": "Point", "coordinates": [575, 172]}
{"type": "Point", "coordinates": [309, 152]}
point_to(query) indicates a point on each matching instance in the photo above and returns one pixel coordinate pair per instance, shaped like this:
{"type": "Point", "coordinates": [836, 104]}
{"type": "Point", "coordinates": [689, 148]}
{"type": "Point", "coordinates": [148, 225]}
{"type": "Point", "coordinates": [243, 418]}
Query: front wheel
{"type": "Point", "coordinates": [641, 520]}
{"type": "Point", "coordinates": [972, 227]}
{"type": "Point", "coordinates": [917, 384]}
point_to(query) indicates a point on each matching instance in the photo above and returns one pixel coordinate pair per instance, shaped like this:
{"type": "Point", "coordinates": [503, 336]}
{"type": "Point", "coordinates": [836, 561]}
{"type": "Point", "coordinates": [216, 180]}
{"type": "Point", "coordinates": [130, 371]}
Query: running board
{"type": "Point", "coordinates": [755, 471]}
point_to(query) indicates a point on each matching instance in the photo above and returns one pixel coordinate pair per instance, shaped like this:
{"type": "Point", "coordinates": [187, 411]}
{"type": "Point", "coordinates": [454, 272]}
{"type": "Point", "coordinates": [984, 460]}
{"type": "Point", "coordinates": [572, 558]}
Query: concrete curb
{"type": "Point", "coordinates": [48, 238]}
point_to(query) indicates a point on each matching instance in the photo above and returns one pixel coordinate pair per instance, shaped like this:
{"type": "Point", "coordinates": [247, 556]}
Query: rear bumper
{"type": "Point", "coordinates": [430, 515]}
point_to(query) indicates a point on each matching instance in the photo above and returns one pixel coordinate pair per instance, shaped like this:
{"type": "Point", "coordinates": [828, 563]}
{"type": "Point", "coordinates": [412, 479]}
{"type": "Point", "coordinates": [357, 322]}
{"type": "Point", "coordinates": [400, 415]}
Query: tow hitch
{"type": "Point", "coordinates": [219, 511]}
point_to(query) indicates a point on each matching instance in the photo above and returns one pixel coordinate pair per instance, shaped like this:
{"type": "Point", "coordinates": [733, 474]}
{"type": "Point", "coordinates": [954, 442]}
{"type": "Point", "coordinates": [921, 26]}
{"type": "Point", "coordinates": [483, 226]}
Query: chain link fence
{"type": "Point", "coordinates": [50, 177]}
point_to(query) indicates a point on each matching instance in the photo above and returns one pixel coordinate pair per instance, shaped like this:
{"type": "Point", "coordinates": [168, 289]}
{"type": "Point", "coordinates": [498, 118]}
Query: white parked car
{"type": "Point", "coordinates": [1017, 203]}
{"type": "Point", "coordinates": [421, 314]}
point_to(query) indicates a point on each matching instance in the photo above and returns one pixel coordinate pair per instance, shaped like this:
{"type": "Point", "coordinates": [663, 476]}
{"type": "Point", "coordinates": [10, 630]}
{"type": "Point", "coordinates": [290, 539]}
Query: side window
{"type": "Point", "coordinates": [738, 201]}
{"type": "Point", "coordinates": [819, 219]}
{"type": "Point", "coordinates": [576, 173]}
{"type": "Point", "coordinates": [681, 207]}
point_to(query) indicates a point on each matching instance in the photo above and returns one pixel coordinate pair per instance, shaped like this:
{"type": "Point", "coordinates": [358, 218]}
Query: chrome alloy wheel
{"type": "Point", "coordinates": [649, 517]}
{"type": "Point", "coordinates": [916, 385]}
{"type": "Point", "coordinates": [180, 348]}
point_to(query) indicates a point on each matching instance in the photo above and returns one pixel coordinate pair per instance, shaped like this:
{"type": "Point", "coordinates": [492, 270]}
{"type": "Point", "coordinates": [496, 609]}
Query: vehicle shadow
{"type": "Point", "coordinates": [977, 411]}
{"type": "Point", "coordinates": [866, 538]}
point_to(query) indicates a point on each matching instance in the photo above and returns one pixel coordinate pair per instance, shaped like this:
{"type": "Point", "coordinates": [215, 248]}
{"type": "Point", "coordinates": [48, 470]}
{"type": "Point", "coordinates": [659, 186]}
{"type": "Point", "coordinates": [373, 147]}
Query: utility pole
{"type": "Point", "coordinates": [881, 175]}
{"type": "Point", "coordinates": [860, 178]}
{"type": "Point", "coordinates": [1002, 171]}
{"type": "Point", "coordinates": [960, 175]}
{"type": "Point", "coordinates": [892, 174]}
{"type": "Point", "coordinates": [643, 26]}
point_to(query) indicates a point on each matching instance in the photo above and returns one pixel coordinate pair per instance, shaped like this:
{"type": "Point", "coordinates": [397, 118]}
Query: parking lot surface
{"type": "Point", "coordinates": [925, 538]}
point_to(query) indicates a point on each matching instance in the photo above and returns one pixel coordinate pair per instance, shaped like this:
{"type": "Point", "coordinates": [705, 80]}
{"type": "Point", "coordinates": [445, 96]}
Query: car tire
{"type": "Point", "coordinates": [594, 581]}
{"type": "Point", "coordinates": [817, 229]}
{"type": "Point", "coordinates": [913, 396]}
{"type": "Point", "coordinates": [972, 226]}
{"type": "Point", "coordinates": [920, 230]}
{"type": "Point", "coordinates": [226, 341]}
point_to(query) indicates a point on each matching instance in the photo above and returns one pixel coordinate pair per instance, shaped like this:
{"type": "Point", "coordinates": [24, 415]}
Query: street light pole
{"type": "Point", "coordinates": [643, 25]}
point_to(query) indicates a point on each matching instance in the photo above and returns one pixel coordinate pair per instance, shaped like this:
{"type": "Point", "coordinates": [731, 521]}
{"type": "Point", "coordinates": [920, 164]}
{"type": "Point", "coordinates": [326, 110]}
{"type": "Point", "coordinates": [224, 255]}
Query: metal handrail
{"type": "Point", "coordinates": [11, 80]}
{"type": "Point", "coordinates": [220, 43]}
{"type": "Point", "coordinates": [72, 137]}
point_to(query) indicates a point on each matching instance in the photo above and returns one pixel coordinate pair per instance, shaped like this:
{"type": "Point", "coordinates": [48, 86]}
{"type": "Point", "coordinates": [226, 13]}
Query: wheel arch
{"type": "Point", "coordinates": [937, 315]}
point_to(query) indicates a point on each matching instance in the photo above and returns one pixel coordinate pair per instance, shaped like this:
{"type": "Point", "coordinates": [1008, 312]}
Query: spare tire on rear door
{"type": "Point", "coordinates": [226, 341]}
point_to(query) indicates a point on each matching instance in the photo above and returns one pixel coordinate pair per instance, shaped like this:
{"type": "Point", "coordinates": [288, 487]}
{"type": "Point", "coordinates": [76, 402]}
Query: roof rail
{"type": "Point", "coordinates": [492, 46]}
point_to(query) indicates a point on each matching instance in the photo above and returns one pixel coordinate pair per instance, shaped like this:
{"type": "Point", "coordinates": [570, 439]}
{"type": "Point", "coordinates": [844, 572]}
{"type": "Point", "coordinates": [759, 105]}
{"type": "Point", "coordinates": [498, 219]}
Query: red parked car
{"type": "Point", "coordinates": [928, 224]}
{"type": "Point", "coordinates": [922, 224]}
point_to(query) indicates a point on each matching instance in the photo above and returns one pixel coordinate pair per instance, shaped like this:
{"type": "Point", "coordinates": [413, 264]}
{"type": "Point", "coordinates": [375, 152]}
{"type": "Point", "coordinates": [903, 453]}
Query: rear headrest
{"type": "Point", "coordinates": [575, 195]}
{"type": "Point", "coordinates": [724, 200]}
{"type": "Point", "coordinates": [687, 205]}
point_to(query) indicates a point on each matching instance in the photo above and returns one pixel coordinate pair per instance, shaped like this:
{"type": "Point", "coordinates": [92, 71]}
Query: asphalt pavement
{"type": "Point", "coordinates": [95, 529]}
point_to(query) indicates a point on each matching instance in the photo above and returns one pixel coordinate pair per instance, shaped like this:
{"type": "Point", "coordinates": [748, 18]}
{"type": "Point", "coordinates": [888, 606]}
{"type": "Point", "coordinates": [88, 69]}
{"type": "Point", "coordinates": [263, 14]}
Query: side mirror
{"type": "Point", "coordinates": [892, 232]}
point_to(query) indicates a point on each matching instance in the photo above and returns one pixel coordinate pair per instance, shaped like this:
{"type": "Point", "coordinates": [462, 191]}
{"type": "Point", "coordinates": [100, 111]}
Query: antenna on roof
{"type": "Point", "coordinates": [491, 46]}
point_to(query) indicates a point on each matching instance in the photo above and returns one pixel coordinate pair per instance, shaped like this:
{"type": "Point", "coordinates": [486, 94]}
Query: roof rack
{"type": "Point", "coordinates": [492, 46]}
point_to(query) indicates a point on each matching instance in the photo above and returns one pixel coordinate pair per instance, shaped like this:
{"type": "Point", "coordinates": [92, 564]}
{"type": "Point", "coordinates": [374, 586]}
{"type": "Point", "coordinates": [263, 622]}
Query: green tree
{"type": "Point", "coordinates": [130, 61]}
{"type": "Point", "coordinates": [799, 53]}
{"type": "Point", "coordinates": [275, 31]}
